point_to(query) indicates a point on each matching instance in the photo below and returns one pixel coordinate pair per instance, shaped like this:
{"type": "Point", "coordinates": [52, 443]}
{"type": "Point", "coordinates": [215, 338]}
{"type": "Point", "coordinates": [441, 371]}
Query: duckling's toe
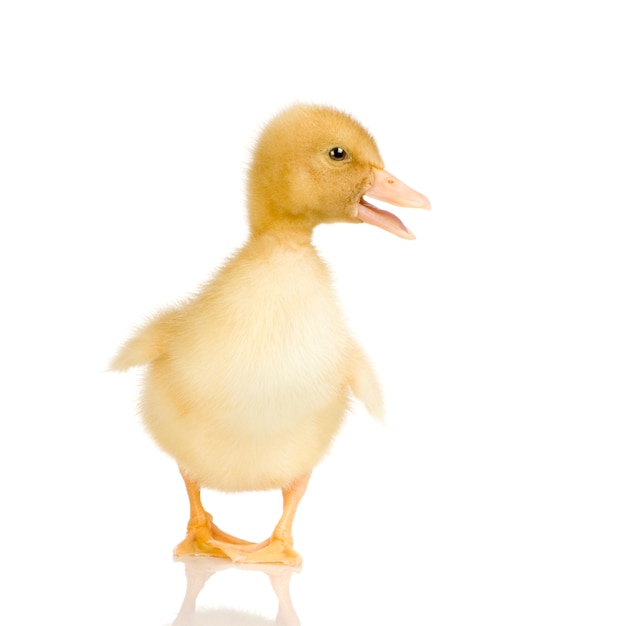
{"type": "Point", "coordinates": [271, 551]}
{"type": "Point", "coordinates": [221, 536]}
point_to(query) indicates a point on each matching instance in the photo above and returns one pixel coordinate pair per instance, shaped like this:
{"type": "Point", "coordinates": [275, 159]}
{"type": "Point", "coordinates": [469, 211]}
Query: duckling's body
{"type": "Point", "coordinates": [261, 362]}
{"type": "Point", "coordinates": [249, 381]}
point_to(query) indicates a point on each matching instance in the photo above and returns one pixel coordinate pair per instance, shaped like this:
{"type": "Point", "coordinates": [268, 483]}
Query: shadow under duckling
{"type": "Point", "coordinates": [248, 382]}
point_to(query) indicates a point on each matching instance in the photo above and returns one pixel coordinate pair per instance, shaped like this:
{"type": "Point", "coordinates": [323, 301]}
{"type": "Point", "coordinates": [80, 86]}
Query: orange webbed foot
{"type": "Point", "coordinates": [206, 539]}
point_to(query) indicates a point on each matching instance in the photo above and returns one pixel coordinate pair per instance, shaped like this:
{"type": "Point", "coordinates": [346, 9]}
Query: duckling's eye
{"type": "Point", "coordinates": [337, 154]}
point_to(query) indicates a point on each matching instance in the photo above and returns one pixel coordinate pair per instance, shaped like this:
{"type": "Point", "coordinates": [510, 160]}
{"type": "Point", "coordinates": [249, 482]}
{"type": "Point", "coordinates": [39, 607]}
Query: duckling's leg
{"type": "Point", "coordinates": [279, 547]}
{"type": "Point", "coordinates": [202, 533]}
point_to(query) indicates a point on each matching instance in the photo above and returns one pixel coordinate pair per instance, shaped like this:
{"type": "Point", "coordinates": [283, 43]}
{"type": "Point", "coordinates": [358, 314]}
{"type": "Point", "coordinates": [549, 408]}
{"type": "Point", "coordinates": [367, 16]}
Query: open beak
{"type": "Point", "coordinates": [389, 189]}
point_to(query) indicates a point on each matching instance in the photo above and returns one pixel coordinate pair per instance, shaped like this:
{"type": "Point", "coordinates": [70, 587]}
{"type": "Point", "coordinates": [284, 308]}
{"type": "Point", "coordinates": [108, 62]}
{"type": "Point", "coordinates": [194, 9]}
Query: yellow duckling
{"type": "Point", "coordinates": [248, 381]}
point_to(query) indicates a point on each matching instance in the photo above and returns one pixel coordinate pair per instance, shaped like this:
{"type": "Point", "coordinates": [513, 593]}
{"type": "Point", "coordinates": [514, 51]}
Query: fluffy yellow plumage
{"type": "Point", "coordinates": [249, 381]}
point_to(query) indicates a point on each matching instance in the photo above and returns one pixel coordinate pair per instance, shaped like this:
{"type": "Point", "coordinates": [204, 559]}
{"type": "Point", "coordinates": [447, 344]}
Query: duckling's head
{"type": "Point", "coordinates": [313, 165]}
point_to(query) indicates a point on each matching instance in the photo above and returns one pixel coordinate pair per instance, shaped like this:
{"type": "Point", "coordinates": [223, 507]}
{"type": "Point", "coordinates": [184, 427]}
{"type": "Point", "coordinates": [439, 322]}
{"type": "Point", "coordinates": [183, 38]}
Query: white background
{"type": "Point", "coordinates": [495, 493]}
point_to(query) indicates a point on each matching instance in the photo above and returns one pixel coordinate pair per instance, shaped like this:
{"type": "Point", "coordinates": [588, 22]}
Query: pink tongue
{"type": "Point", "coordinates": [369, 214]}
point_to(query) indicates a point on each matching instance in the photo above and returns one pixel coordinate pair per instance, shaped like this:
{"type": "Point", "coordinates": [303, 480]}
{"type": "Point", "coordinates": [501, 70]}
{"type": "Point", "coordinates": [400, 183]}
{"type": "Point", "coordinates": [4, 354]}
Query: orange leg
{"type": "Point", "coordinates": [202, 533]}
{"type": "Point", "coordinates": [279, 547]}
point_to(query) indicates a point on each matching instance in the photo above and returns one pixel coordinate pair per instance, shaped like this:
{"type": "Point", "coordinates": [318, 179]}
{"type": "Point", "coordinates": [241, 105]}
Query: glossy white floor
{"type": "Point", "coordinates": [495, 492]}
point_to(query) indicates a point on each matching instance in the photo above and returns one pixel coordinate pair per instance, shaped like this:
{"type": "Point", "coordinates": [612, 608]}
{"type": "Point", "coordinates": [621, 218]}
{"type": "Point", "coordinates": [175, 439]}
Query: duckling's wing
{"type": "Point", "coordinates": [364, 382]}
{"type": "Point", "coordinates": [148, 344]}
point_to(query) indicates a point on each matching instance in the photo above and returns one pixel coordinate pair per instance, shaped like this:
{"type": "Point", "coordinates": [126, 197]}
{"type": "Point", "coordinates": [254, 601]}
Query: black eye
{"type": "Point", "coordinates": [337, 154]}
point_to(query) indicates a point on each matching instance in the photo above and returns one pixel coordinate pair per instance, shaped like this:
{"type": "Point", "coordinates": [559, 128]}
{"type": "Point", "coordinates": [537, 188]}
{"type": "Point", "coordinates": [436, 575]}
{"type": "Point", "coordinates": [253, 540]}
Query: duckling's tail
{"type": "Point", "coordinates": [146, 346]}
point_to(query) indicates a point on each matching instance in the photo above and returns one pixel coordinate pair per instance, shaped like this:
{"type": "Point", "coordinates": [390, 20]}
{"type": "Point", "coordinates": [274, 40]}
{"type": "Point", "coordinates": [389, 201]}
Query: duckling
{"type": "Point", "coordinates": [248, 381]}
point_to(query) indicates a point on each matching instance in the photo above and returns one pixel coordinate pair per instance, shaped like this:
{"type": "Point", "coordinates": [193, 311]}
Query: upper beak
{"type": "Point", "coordinates": [392, 190]}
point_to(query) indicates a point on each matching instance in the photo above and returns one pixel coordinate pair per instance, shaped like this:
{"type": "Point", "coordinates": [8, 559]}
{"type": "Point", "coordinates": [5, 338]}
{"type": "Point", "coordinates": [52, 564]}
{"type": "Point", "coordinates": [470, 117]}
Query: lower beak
{"type": "Point", "coordinates": [393, 191]}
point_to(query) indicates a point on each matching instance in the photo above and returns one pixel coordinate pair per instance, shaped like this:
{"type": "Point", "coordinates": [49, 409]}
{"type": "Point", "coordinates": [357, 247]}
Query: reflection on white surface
{"type": "Point", "coordinates": [198, 570]}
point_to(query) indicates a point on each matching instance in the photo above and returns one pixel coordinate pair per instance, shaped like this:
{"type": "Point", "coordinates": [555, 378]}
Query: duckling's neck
{"type": "Point", "coordinates": [289, 233]}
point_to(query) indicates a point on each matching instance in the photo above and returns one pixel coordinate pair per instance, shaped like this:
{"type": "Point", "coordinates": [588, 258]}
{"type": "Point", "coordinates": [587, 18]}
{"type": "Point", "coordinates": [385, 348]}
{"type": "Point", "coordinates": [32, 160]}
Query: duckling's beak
{"type": "Point", "coordinates": [389, 189]}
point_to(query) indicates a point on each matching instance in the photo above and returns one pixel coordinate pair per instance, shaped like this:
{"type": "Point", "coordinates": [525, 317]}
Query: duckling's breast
{"type": "Point", "coordinates": [269, 348]}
